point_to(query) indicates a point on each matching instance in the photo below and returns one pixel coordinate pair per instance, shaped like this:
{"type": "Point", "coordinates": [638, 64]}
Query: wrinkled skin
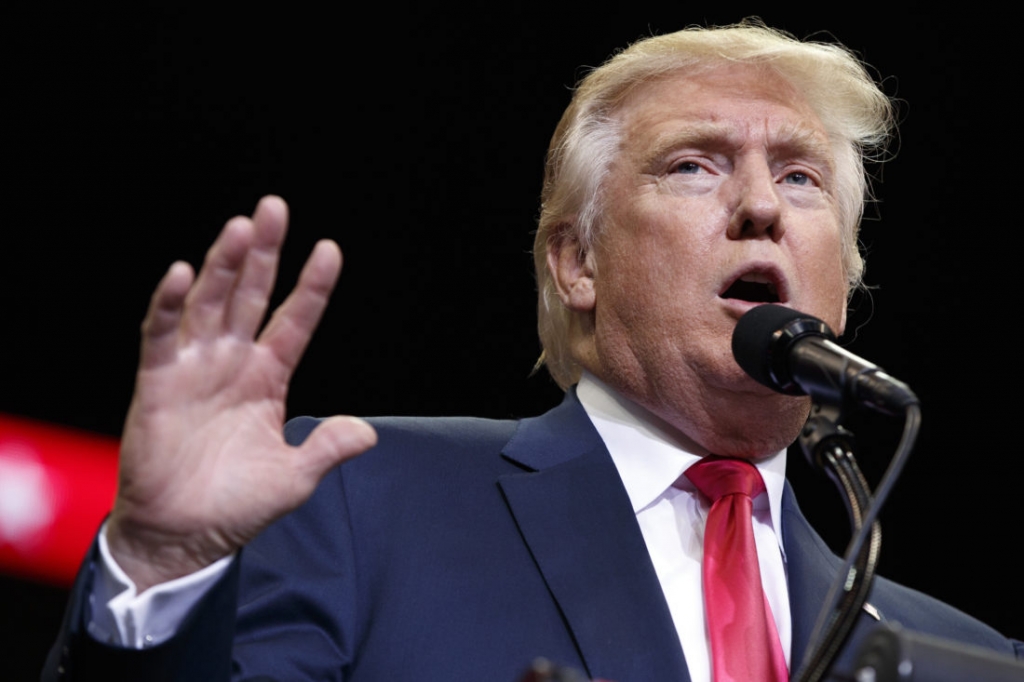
{"type": "Point", "coordinates": [722, 175]}
{"type": "Point", "coordinates": [204, 466]}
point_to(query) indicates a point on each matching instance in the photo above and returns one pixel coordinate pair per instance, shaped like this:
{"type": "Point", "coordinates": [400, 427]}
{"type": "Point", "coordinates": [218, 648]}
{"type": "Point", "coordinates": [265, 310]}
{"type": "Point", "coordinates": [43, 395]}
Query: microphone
{"type": "Point", "coordinates": [796, 354]}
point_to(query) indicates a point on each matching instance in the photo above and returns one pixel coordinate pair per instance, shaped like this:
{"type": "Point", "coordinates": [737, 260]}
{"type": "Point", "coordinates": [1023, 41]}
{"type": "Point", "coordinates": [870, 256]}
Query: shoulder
{"type": "Point", "coordinates": [428, 464]}
{"type": "Point", "coordinates": [402, 429]}
{"type": "Point", "coordinates": [412, 438]}
{"type": "Point", "coordinates": [922, 613]}
{"type": "Point", "coordinates": [533, 443]}
{"type": "Point", "coordinates": [812, 566]}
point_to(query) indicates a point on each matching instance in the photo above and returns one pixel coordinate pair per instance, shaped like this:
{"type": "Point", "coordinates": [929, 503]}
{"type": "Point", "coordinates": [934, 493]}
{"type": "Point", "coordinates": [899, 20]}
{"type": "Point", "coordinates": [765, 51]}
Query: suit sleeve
{"type": "Point", "coordinates": [291, 623]}
{"type": "Point", "coordinates": [200, 650]}
{"type": "Point", "coordinates": [298, 598]}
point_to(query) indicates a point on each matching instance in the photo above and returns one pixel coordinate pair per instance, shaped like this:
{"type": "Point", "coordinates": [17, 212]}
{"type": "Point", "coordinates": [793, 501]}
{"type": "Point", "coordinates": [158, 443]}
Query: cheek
{"type": "Point", "coordinates": [668, 238]}
{"type": "Point", "coordinates": [829, 282]}
{"type": "Point", "coordinates": [815, 244]}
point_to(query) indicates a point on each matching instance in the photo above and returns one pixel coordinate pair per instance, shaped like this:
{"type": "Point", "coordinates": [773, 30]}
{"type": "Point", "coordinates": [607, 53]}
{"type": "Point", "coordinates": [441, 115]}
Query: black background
{"type": "Point", "coordinates": [415, 136]}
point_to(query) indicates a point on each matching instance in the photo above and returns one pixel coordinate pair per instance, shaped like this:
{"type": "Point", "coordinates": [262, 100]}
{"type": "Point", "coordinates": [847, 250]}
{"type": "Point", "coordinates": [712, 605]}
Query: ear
{"type": "Point", "coordinates": [572, 270]}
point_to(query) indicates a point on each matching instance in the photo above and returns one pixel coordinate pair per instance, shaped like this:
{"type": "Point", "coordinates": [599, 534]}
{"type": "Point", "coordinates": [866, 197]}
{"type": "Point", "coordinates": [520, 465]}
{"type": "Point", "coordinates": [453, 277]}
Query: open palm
{"type": "Point", "coordinates": [204, 466]}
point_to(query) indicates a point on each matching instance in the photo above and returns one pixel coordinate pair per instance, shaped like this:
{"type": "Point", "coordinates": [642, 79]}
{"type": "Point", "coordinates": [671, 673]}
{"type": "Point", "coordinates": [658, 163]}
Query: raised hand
{"type": "Point", "coordinates": [204, 466]}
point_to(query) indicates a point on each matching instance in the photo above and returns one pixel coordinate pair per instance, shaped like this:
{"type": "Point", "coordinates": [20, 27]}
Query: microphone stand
{"type": "Point", "coordinates": [890, 653]}
{"type": "Point", "coordinates": [854, 583]}
{"type": "Point", "coordinates": [829, 447]}
{"type": "Point", "coordinates": [796, 354]}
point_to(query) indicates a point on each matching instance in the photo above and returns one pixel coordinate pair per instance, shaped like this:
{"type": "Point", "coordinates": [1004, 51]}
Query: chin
{"type": "Point", "coordinates": [757, 426]}
{"type": "Point", "coordinates": [753, 449]}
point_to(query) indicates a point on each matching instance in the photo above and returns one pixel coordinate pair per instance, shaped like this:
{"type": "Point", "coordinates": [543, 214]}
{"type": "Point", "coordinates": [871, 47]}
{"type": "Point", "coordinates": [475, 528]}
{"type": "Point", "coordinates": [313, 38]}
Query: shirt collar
{"type": "Point", "coordinates": [651, 454]}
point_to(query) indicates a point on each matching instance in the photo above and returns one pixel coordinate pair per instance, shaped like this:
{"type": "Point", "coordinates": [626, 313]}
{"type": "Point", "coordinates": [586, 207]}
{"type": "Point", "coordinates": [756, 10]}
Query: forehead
{"type": "Point", "coordinates": [731, 105]}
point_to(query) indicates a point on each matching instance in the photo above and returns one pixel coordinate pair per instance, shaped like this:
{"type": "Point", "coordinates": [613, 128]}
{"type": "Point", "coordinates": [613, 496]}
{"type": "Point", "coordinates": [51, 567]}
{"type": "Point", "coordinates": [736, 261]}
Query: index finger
{"type": "Point", "coordinates": [160, 328]}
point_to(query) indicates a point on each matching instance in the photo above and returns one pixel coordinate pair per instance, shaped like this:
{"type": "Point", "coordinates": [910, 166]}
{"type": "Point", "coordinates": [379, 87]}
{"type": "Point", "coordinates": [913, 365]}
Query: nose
{"type": "Point", "coordinates": [757, 211]}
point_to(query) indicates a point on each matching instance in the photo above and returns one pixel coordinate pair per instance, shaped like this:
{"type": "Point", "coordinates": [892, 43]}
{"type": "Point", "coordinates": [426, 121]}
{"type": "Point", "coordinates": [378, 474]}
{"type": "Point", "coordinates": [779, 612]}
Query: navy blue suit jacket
{"type": "Point", "coordinates": [461, 549]}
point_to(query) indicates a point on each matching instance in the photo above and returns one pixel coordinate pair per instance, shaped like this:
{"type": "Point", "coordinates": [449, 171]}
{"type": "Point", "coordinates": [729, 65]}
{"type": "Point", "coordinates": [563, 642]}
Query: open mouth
{"type": "Point", "coordinates": [753, 287]}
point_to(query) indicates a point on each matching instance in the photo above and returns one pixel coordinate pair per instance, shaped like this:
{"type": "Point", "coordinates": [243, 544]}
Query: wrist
{"type": "Point", "coordinates": [151, 557]}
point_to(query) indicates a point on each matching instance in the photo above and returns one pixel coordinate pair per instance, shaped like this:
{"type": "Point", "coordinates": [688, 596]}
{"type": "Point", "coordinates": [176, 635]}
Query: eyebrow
{"type": "Point", "coordinates": [802, 141]}
{"type": "Point", "coordinates": [791, 141]}
{"type": "Point", "coordinates": [700, 134]}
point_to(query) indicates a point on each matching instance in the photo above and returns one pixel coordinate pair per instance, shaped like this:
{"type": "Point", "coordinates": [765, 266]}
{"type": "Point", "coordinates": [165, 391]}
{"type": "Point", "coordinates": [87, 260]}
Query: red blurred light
{"type": "Point", "coordinates": [56, 486]}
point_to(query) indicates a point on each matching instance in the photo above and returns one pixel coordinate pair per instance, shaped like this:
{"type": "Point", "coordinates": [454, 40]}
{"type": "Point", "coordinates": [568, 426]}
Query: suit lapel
{"type": "Point", "coordinates": [574, 515]}
{"type": "Point", "coordinates": [811, 568]}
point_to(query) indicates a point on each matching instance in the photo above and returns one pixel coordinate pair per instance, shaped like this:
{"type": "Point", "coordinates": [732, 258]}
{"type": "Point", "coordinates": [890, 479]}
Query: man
{"type": "Point", "coordinates": [692, 177]}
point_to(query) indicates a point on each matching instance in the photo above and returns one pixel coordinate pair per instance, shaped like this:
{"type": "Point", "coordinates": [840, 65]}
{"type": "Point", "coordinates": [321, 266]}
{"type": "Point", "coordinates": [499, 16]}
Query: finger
{"type": "Point", "coordinates": [252, 291]}
{"type": "Point", "coordinates": [331, 443]}
{"type": "Point", "coordinates": [207, 302]}
{"type": "Point", "coordinates": [163, 319]}
{"type": "Point", "coordinates": [292, 325]}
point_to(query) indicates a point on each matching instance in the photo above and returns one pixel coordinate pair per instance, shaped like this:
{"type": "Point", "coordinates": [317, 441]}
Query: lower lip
{"type": "Point", "coordinates": [738, 306]}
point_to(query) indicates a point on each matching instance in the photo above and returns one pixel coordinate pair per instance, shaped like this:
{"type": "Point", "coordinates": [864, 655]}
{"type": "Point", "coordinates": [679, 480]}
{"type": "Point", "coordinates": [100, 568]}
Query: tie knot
{"type": "Point", "coordinates": [717, 477]}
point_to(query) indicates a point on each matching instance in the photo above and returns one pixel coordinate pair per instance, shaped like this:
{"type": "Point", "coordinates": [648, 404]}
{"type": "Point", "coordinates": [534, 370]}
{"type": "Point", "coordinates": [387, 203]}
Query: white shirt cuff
{"type": "Point", "coordinates": [122, 617]}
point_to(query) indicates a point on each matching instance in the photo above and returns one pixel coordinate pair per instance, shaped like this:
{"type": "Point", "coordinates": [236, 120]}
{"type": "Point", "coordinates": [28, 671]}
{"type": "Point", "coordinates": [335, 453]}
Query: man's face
{"type": "Point", "coordinates": [721, 197]}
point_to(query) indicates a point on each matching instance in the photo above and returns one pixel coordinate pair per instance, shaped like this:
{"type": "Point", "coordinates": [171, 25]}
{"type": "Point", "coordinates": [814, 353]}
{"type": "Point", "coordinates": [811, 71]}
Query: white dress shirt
{"type": "Point", "coordinates": [122, 616]}
{"type": "Point", "coordinates": [650, 456]}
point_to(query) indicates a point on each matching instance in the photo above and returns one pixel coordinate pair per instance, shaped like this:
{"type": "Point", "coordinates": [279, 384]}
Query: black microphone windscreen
{"type": "Point", "coordinates": [763, 337]}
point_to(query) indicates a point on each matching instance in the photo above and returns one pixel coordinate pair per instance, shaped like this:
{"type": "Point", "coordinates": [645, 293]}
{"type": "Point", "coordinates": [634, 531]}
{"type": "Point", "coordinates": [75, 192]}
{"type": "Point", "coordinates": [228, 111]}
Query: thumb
{"type": "Point", "coordinates": [332, 442]}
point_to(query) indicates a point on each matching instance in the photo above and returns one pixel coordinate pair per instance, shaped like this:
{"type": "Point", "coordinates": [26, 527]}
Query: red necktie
{"type": "Point", "coordinates": [745, 645]}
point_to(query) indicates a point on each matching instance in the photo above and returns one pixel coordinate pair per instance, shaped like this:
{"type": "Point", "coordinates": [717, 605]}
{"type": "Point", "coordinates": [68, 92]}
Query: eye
{"type": "Point", "coordinates": [797, 178]}
{"type": "Point", "coordinates": [688, 168]}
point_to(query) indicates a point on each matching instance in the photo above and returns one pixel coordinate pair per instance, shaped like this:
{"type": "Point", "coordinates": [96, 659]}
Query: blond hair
{"type": "Point", "coordinates": [857, 116]}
